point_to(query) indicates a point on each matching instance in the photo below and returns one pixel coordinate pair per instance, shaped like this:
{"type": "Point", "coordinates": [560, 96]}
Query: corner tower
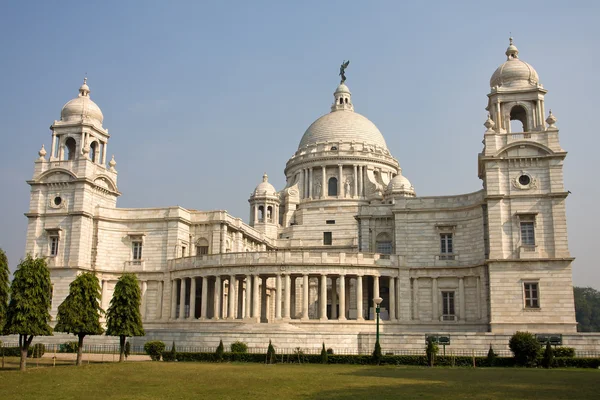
{"type": "Point", "coordinates": [69, 185]}
{"type": "Point", "coordinates": [530, 276]}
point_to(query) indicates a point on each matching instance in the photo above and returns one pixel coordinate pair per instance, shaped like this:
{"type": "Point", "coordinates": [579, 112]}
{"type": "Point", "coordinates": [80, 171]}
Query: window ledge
{"type": "Point", "coordinates": [531, 309]}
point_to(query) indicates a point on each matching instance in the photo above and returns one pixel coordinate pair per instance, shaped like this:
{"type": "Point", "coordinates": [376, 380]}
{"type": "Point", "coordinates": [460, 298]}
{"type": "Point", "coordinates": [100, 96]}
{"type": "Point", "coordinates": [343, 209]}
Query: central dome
{"type": "Point", "coordinates": [342, 124]}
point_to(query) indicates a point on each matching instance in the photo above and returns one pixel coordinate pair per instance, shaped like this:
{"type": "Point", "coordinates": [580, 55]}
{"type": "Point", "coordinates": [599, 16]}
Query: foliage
{"type": "Point", "coordinates": [220, 350]}
{"type": "Point", "coordinates": [431, 350]}
{"type": "Point", "coordinates": [569, 362]}
{"type": "Point", "coordinates": [563, 351]}
{"type": "Point", "coordinates": [35, 351]}
{"type": "Point", "coordinates": [525, 348]}
{"type": "Point", "coordinates": [548, 356]}
{"type": "Point", "coordinates": [329, 350]}
{"type": "Point", "coordinates": [270, 354]}
{"type": "Point", "coordinates": [79, 313]}
{"type": "Point", "coordinates": [323, 355]}
{"type": "Point", "coordinates": [28, 310]}
{"type": "Point", "coordinates": [239, 347]}
{"type": "Point", "coordinates": [4, 288]}
{"type": "Point", "coordinates": [491, 356]}
{"type": "Point", "coordinates": [154, 349]}
{"type": "Point", "coordinates": [587, 309]}
{"type": "Point", "coordinates": [170, 355]}
{"type": "Point", "coordinates": [68, 347]}
{"type": "Point", "coordinates": [377, 352]}
{"type": "Point", "coordinates": [123, 316]}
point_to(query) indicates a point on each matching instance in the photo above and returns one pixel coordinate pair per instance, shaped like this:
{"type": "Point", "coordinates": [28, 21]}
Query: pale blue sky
{"type": "Point", "coordinates": [200, 98]}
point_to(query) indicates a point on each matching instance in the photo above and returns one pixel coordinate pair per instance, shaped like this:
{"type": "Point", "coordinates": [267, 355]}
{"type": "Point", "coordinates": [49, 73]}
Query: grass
{"type": "Point", "coordinates": [159, 380]}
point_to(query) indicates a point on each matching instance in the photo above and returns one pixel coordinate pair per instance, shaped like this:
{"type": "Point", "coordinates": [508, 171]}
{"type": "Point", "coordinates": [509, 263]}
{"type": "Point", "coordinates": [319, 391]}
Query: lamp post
{"type": "Point", "coordinates": [377, 301]}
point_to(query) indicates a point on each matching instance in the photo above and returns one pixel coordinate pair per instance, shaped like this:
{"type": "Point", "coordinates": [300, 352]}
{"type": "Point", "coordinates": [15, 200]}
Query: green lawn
{"type": "Point", "coordinates": [159, 380]}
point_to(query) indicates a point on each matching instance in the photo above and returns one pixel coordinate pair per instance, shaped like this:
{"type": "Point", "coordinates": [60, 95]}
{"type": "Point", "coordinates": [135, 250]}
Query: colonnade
{"type": "Point", "coordinates": [269, 298]}
{"type": "Point", "coordinates": [311, 190]}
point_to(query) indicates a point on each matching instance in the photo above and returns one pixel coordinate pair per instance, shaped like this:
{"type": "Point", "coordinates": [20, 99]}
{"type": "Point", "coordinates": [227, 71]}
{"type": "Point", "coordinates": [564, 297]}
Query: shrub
{"type": "Point", "coordinates": [154, 349]}
{"type": "Point", "coordinates": [170, 355]}
{"type": "Point", "coordinates": [548, 356]}
{"type": "Point", "coordinates": [525, 348]}
{"type": "Point", "coordinates": [329, 350]}
{"type": "Point", "coordinates": [36, 351]}
{"type": "Point", "coordinates": [431, 350]}
{"type": "Point", "coordinates": [270, 354]}
{"type": "Point", "coordinates": [491, 357]}
{"type": "Point", "coordinates": [68, 347]}
{"type": "Point", "coordinates": [239, 347]}
{"type": "Point", "coordinates": [564, 352]}
{"type": "Point", "coordinates": [220, 351]}
{"type": "Point", "coordinates": [377, 353]}
{"type": "Point", "coordinates": [323, 355]}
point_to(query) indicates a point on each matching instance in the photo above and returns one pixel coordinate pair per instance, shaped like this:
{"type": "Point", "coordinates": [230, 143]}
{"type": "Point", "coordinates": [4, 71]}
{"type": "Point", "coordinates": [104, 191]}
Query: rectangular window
{"type": "Point", "coordinates": [137, 251]}
{"type": "Point", "coordinates": [448, 305]}
{"type": "Point", "coordinates": [527, 233]}
{"type": "Point", "coordinates": [446, 247]}
{"type": "Point", "coordinates": [53, 246]}
{"type": "Point", "coordinates": [200, 250]}
{"type": "Point", "coordinates": [330, 222]}
{"type": "Point", "coordinates": [327, 238]}
{"type": "Point", "coordinates": [532, 299]}
{"type": "Point", "coordinates": [183, 251]}
{"type": "Point", "coordinates": [384, 247]}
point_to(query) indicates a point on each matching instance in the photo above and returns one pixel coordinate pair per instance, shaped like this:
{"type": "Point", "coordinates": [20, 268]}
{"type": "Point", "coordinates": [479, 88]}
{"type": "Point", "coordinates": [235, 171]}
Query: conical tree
{"type": "Point", "coordinates": [4, 288]}
{"type": "Point", "coordinates": [28, 311]}
{"type": "Point", "coordinates": [79, 314]}
{"type": "Point", "coordinates": [123, 316]}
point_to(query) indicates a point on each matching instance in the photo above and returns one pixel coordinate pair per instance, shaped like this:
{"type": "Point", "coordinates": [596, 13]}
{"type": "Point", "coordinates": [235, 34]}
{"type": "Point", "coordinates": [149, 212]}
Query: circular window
{"type": "Point", "coordinates": [524, 180]}
{"type": "Point", "coordinates": [57, 201]}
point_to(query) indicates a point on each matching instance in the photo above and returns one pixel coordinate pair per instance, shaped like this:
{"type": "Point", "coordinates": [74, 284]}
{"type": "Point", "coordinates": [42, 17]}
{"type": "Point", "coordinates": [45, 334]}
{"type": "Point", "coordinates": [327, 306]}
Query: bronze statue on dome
{"type": "Point", "coordinates": [343, 70]}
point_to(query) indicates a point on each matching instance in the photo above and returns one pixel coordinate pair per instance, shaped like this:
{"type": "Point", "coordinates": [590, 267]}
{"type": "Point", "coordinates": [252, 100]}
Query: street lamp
{"type": "Point", "coordinates": [377, 301]}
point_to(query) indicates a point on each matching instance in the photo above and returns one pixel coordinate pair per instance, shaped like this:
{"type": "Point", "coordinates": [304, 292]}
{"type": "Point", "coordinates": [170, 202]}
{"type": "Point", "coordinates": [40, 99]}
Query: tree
{"type": "Point", "coordinates": [79, 314]}
{"type": "Point", "coordinates": [28, 311]}
{"type": "Point", "coordinates": [587, 309]}
{"type": "Point", "coordinates": [548, 356]}
{"type": "Point", "coordinates": [4, 288]}
{"type": "Point", "coordinates": [220, 351]}
{"type": "Point", "coordinates": [431, 350]}
{"type": "Point", "coordinates": [123, 316]}
{"type": "Point", "coordinates": [324, 355]}
{"type": "Point", "coordinates": [491, 356]}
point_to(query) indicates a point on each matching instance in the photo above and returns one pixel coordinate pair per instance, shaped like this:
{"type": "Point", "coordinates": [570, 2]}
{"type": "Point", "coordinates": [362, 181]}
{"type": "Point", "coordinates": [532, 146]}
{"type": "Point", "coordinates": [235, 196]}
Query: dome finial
{"type": "Point", "coordinates": [511, 52]}
{"type": "Point", "coordinates": [265, 177]}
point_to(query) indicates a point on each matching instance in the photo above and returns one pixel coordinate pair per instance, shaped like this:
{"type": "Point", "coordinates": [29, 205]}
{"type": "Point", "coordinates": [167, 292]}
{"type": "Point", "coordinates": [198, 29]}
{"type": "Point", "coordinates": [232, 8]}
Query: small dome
{"type": "Point", "coordinates": [342, 88]}
{"type": "Point", "coordinates": [400, 185]}
{"type": "Point", "coordinates": [265, 188]}
{"type": "Point", "coordinates": [514, 73]}
{"type": "Point", "coordinates": [82, 107]}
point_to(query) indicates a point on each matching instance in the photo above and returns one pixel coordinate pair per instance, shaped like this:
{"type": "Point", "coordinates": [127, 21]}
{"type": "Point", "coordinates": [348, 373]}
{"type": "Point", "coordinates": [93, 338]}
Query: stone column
{"type": "Point", "coordinates": [287, 298]}
{"type": "Point", "coordinates": [248, 296]}
{"type": "Point", "coordinates": [310, 183]}
{"type": "Point", "coordinates": [324, 182]}
{"type": "Point", "coordinates": [355, 180]}
{"type": "Point", "coordinates": [173, 298]}
{"type": "Point", "coordinates": [415, 299]}
{"type": "Point", "coordinates": [323, 298]}
{"type": "Point", "coordinates": [231, 297]}
{"type": "Point", "coordinates": [479, 316]}
{"type": "Point", "coordinates": [340, 181]}
{"type": "Point", "coordinates": [305, 296]}
{"type": "Point", "coordinates": [217, 305]}
{"type": "Point", "coordinates": [434, 300]}
{"type": "Point", "coordinates": [193, 298]}
{"type": "Point", "coordinates": [204, 304]}
{"type": "Point", "coordinates": [360, 181]}
{"type": "Point", "coordinates": [399, 313]}
{"type": "Point", "coordinates": [143, 300]}
{"type": "Point", "coordinates": [278, 296]}
{"type": "Point", "coordinates": [159, 299]}
{"type": "Point", "coordinates": [255, 298]}
{"type": "Point", "coordinates": [182, 299]}
{"type": "Point", "coordinates": [392, 298]}
{"type": "Point", "coordinates": [305, 182]}
{"type": "Point", "coordinates": [255, 213]}
{"type": "Point", "coordinates": [342, 298]}
{"type": "Point", "coordinates": [53, 148]}
{"type": "Point", "coordinates": [334, 297]}
{"type": "Point", "coordinates": [375, 290]}
{"type": "Point", "coordinates": [359, 298]}
{"type": "Point", "coordinates": [461, 297]}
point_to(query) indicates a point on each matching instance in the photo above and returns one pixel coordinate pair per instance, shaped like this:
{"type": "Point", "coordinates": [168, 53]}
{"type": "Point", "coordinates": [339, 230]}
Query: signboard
{"type": "Point", "coordinates": [444, 340]}
{"type": "Point", "coordinates": [555, 339]}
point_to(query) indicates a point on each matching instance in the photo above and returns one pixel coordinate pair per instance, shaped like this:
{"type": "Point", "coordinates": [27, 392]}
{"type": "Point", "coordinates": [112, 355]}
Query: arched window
{"type": "Point", "coordinates": [341, 100]}
{"type": "Point", "coordinates": [383, 243]}
{"type": "Point", "coordinates": [201, 247]}
{"type": "Point", "coordinates": [70, 147]}
{"type": "Point", "coordinates": [518, 120]}
{"type": "Point", "coordinates": [261, 214]}
{"type": "Point", "coordinates": [346, 101]}
{"type": "Point", "coordinates": [269, 214]}
{"type": "Point", "coordinates": [332, 187]}
{"type": "Point", "coordinates": [93, 151]}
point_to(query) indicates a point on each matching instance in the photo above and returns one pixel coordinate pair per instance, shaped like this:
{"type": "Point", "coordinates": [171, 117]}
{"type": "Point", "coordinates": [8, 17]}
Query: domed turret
{"type": "Point", "coordinates": [264, 207]}
{"type": "Point", "coordinates": [400, 186]}
{"type": "Point", "coordinates": [514, 72]}
{"type": "Point", "coordinates": [265, 188]}
{"type": "Point", "coordinates": [82, 107]}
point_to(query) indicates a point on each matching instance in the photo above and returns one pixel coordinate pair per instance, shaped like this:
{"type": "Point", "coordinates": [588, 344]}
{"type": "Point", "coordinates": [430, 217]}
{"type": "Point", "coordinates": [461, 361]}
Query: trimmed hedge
{"type": "Point", "coordinates": [570, 362]}
{"type": "Point", "coordinates": [35, 351]}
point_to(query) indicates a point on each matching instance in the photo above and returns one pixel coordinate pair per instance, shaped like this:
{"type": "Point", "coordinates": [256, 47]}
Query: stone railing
{"type": "Point", "coordinates": [288, 257]}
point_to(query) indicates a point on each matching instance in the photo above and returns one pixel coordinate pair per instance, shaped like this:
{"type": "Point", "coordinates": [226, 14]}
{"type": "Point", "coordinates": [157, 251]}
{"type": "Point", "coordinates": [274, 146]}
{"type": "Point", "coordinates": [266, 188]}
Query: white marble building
{"type": "Point", "coordinates": [347, 227]}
